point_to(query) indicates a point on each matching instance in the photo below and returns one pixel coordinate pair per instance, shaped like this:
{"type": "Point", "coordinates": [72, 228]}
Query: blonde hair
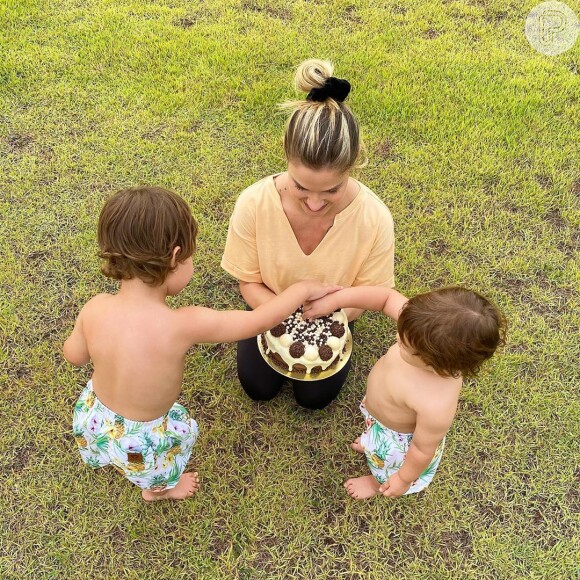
{"type": "Point", "coordinates": [321, 133]}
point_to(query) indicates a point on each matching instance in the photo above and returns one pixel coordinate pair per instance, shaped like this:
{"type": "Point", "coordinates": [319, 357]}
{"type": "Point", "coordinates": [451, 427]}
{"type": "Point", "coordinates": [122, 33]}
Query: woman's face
{"type": "Point", "coordinates": [318, 191]}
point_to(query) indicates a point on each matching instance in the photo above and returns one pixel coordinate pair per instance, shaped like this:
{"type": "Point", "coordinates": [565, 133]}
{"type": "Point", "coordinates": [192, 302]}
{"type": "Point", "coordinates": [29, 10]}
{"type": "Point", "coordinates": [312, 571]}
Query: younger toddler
{"type": "Point", "coordinates": [413, 390]}
{"type": "Point", "coordinates": [127, 415]}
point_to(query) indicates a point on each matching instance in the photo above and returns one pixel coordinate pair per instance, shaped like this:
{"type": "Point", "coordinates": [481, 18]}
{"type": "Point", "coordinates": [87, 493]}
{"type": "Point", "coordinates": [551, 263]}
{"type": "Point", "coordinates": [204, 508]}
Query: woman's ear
{"type": "Point", "coordinates": [174, 254]}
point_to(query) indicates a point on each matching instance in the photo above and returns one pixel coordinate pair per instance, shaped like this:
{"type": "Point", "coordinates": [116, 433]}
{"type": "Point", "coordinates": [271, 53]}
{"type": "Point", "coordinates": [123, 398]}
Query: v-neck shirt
{"type": "Point", "coordinates": [261, 246]}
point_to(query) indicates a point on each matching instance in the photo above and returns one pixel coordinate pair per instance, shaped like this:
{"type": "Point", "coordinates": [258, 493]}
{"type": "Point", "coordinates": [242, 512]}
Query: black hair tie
{"type": "Point", "coordinates": [333, 88]}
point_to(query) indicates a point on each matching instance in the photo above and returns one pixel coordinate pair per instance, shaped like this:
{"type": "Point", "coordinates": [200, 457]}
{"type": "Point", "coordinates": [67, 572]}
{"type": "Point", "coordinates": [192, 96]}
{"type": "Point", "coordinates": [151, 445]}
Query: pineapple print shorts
{"type": "Point", "coordinates": [151, 454]}
{"type": "Point", "coordinates": [385, 451]}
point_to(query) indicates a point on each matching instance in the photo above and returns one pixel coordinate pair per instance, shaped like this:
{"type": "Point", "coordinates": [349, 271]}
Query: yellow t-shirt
{"type": "Point", "coordinates": [358, 250]}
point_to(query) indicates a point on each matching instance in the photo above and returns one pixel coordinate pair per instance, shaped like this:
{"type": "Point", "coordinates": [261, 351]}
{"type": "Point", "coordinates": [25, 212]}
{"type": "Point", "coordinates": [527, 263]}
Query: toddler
{"type": "Point", "coordinates": [127, 415]}
{"type": "Point", "coordinates": [413, 390]}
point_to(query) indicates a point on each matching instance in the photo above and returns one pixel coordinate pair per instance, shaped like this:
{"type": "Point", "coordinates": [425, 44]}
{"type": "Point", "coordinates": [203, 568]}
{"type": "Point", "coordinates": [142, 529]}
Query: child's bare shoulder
{"type": "Point", "coordinates": [99, 298]}
{"type": "Point", "coordinates": [437, 396]}
{"type": "Point", "coordinates": [186, 314]}
{"type": "Point", "coordinates": [96, 302]}
{"type": "Point", "coordinates": [190, 322]}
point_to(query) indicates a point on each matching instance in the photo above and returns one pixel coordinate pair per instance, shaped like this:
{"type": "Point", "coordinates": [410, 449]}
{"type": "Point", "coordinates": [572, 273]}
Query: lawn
{"type": "Point", "coordinates": [472, 139]}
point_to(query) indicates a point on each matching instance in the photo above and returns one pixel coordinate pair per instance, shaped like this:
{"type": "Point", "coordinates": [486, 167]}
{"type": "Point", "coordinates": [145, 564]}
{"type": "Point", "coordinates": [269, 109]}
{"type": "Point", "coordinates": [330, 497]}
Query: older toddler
{"type": "Point", "coordinates": [127, 415]}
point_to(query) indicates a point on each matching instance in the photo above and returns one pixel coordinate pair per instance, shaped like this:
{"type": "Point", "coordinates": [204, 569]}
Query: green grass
{"type": "Point", "coordinates": [473, 144]}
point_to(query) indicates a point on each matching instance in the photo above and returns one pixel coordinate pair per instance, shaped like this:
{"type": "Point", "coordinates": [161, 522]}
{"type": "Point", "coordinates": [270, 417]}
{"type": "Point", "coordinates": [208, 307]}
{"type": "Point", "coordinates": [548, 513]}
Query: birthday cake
{"type": "Point", "coordinates": [306, 346]}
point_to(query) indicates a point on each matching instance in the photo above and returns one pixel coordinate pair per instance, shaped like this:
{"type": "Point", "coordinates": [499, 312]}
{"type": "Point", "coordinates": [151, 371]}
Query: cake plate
{"type": "Point", "coordinates": [305, 376]}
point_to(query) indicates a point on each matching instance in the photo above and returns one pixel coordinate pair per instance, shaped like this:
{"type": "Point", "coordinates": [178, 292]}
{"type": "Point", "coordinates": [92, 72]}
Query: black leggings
{"type": "Point", "coordinates": [262, 383]}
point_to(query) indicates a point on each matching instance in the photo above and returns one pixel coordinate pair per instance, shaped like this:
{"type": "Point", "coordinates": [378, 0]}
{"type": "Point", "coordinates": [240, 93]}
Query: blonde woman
{"type": "Point", "coordinates": [314, 220]}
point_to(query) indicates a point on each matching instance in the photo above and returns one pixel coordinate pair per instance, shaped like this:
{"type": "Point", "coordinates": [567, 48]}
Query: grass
{"type": "Point", "coordinates": [473, 144]}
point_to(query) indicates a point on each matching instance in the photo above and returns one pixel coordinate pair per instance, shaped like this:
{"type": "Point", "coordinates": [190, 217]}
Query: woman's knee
{"type": "Point", "coordinates": [259, 390]}
{"type": "Point", "coordinates": [258, 380]}
{"type": "Point", "coordinates": [316, 398]}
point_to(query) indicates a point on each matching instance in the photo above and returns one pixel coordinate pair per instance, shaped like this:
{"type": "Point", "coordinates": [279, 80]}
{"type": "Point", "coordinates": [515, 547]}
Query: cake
{"type": "Point", "coordinates": [306, 346]}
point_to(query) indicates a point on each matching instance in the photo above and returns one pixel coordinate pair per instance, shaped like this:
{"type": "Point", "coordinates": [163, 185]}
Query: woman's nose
{"type": "Point", "coordinates": [315, 204]}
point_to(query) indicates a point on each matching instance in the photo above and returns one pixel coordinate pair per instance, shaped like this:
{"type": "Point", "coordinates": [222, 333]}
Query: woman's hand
{"type": "Point", "coordinates": [318, 290]}
{"type": "Point", "coordinates": [315, 308]}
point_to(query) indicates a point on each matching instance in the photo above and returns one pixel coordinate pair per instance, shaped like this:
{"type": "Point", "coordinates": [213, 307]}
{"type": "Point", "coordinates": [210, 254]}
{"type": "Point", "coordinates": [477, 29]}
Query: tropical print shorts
{"type": "Point", "coordinates": [386, 449]}
{"type": "Point", "coordinates": [152, 454]}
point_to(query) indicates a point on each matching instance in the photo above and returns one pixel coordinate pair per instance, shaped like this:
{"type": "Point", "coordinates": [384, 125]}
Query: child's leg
{"type": "Point", "coordinates": [366, 486]}
{"type": "Point", "coordinates": [188, 484]}
{"type": "Point", "coordinates": [363, 487]}
{"type": "Point", "coordinates": [171, 441]}
{"type": "Point", "coordinates": [91, 428]}
{"type": "Point", "coordinates": [356, 446]}
{"type": "Point", "coordinates": [370, 444]}
{"type": "Point", "coordinates": [258, 379]}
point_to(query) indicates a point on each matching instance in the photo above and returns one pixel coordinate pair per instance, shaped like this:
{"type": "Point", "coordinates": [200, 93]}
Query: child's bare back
{"type": "Point", "coordinates": [138, 354]}
{"type": "Point", "coordinates": [397, 393]}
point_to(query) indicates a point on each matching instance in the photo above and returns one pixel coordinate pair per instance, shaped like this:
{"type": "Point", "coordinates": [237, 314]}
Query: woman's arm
{"type": "Point", "coordinates": [255, 293]}
{"type": "Point", "coordinates": [378, 267]}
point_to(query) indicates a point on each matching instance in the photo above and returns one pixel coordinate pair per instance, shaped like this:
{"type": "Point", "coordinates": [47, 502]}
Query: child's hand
{"type": "Point", "coordinates": [320, 289]}
{"type": "Point", "coordinates": [321, 307]}
{"type": "Point", "coordinates": [394, 486]}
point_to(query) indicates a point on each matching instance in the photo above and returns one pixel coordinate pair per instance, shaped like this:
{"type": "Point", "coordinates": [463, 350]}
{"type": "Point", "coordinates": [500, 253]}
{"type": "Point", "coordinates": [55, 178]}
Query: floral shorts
{"type": "Point", "coordinates": [151, 454]}
{"type": "Point", "coordinates": [386, 449]}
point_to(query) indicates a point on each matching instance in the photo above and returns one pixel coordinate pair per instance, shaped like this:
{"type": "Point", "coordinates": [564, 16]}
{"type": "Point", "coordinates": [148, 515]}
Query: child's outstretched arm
{"type": "Point", "coordinates": [206, 325]}
{"type": "Point", "coordinates": [75, 348]}
{"type": "Point", "coordinates": [365, 297]}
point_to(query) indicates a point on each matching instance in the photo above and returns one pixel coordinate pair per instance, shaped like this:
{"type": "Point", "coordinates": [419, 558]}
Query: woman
{"type": "Point", "coordinates": [312, 221]}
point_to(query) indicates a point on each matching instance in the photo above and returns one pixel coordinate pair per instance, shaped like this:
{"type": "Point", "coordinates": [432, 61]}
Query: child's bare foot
{"type": "Point", "coordinates": [187, 485]}
{"type": "Point", "coordinates": [362, 487]}
{"type": "Point", "coordinates": [357, 446]}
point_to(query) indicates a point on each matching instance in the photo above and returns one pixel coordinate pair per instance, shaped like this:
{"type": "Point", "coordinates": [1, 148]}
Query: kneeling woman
{"type": "Point", "coordinates": [312, 221]}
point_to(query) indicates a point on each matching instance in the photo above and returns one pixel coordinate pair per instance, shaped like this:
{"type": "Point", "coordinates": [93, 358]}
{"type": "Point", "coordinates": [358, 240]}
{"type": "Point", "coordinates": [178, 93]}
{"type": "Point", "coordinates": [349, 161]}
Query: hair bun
{"type": "Point", "coordinates": [333, 88]}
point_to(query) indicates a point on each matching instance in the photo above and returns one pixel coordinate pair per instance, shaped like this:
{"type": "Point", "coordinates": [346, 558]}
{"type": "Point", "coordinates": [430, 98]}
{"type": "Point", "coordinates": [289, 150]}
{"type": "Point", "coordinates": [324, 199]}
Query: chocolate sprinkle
{"type": "Point", "coordinates": [297, 349]}
{"type": "Point", "coordinates": [278, 330]}
{"type": "Point", "coordinates": [325, 352]}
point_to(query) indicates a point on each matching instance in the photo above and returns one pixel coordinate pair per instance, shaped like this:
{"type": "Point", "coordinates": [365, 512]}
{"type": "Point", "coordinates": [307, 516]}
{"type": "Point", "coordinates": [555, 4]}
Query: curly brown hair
{"type": "Point", "coordinates": [138, 230]}
{"type": "Point", "coordinates": [453, 330]}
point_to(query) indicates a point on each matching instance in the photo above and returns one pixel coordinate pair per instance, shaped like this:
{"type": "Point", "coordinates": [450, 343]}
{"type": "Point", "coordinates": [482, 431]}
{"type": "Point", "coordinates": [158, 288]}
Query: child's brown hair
{"type": "Point", "coordinates": [453, 330]}
{"type": "Point", "coordinates": [139, 228]}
